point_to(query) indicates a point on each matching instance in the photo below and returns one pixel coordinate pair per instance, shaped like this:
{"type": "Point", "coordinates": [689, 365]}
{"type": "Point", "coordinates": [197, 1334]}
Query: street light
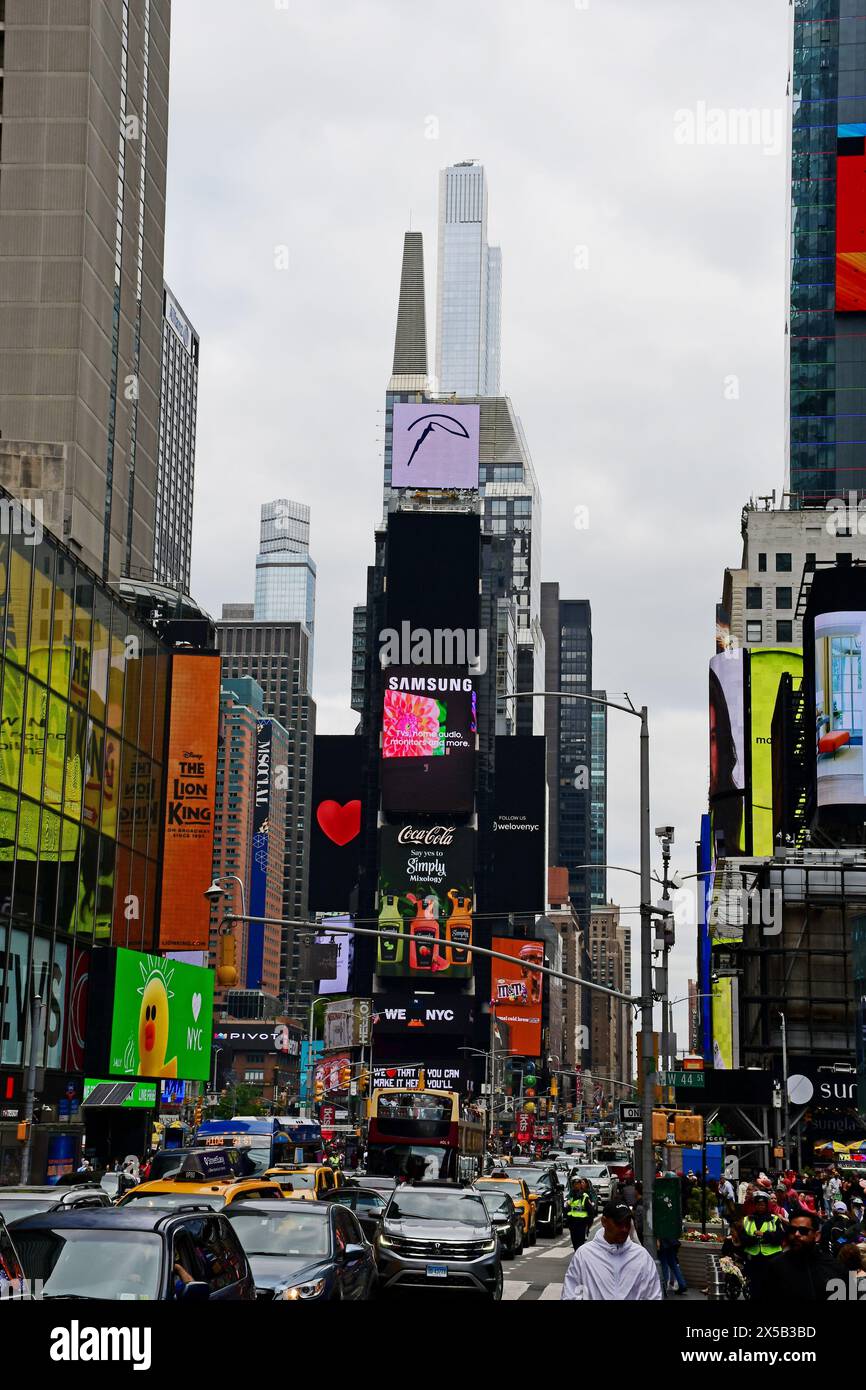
{"type": "Point", "coordinates": [226, 971]}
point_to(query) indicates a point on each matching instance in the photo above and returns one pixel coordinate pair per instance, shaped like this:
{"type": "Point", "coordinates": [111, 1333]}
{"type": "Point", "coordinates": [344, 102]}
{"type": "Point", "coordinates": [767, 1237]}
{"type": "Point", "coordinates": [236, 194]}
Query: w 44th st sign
{"type": "Point", "coordinates": [694, 1079]}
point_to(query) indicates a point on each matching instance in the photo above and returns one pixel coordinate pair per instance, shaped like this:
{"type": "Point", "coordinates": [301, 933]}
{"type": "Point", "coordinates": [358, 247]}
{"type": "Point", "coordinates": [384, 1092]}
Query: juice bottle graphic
{"type": "Point", "coordinates": [390, 948]}
{"type": "Point", "coordinates": [459, 928]}
{"type": "Point", "coordinates": [532, 952]}
{"type": "Point", "coordinates": [424, 930]}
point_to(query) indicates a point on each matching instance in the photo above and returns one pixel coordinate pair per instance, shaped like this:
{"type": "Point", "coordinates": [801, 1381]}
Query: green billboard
{"type": "Point", "coordinates": [128, 1095]}
{"type": "Point", "coordinates": [161, 1019]}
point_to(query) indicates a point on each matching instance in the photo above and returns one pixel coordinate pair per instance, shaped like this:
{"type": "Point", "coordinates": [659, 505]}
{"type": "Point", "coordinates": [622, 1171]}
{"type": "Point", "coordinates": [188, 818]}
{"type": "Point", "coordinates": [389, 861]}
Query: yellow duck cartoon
{"type": "Point", "coordinates": [153, 1028]}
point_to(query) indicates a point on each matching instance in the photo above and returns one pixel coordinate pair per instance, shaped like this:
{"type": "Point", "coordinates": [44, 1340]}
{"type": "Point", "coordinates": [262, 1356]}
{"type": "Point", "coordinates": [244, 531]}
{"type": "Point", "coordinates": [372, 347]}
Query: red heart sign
{"type": "Point", "coordinates": [340, 823]}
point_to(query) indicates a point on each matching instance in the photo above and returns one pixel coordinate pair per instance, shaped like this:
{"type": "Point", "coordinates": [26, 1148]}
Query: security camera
{"type": "Point", "coordinates": [665, 832]}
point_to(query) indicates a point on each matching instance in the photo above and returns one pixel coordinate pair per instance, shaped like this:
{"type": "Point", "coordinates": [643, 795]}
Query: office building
{"type": "Point", "coordinates": [285, 571]}
{"type": "Point", "coordinates": [175, 476]}
{"type": "Point", "coordinates": [84, 92]}
{"type": "Point", "coordinates": [611, 1035]}
{"type": "Point", "coordinates": [468, 287]}
{"type": "Point", "coordinates": [598, 801]}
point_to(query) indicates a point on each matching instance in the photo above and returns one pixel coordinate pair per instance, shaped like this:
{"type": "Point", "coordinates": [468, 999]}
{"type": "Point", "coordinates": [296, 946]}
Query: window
{"type": "Point", "coordinates": [810, 559]}
{"type": "Point", "coordinates": [784, 598]}
{"type": "Point", "coordinates": [753, 631]}
{"type": "Point", "coordinates": [784, 630]}
{"type": "Point", "coordinates": [754, 596]}
{"type": "Point", "coordinates": [783, 561]}
{"type": "Point", "coordinates": [762, 562]}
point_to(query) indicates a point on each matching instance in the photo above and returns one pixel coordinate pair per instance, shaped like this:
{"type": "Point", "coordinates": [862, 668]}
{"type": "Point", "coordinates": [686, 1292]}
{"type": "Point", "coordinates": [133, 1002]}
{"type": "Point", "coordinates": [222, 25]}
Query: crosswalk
{"type": "Point", "coordinates": [521, 1289]}
{"type": "Point", "coordinates": [528, 1281]}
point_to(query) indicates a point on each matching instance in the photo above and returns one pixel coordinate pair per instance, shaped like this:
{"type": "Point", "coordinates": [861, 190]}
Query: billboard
{"type": "Point", "coordinates": [426, 889]}
{"type": "Point", "coordinates": [335, 828]}
{"type": "Point", "coordinates": [255, 1037]}
{"type": "Point", "coordinates": [433, 565]}
{"type": "Point", "coordinates": [345, 944]}
{"type": "Point", "coordinates": [259, 865]}
{"type": "Point", "coordinates": [438, 1076]}
{"type": "Point", "coordinates": [308, 1057]}
{"type": "Point", "coordinates": [518, 831]}
{"type": "Point", "coordinates": [840, 766]}
{"type": "Point", "coordinates": [516, 993]}
{"type": "Point", "coordinates": [727, 753]}
{"type": "Point", "coordinates": [429, 736]}
{"type": "Point", "coordinates": [48, 974]}
{"type": "Point", "coordinates": [148, 1016]}
{"type": "Point", "coordinates": [435, 445]}
{"type": "Point", "coordinates": [406, 1014]}
{"type": "Point", "coordinates": [767, 665]}
{"type": "Point", "coordinates": [128, 1095]}
{"type": "Point", "coordinates": [347, 1023]}
{"type": "Point", "coordinates": [334, 1073]}
{"type": "Point", "coordinates": [726, 1047]}
{"type": "Point", "coordinates": [850, 220]}
{"type": "Point", "coordinates": [187, 847]}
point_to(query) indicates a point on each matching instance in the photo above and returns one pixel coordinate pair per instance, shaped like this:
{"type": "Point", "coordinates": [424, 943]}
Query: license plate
{"type": "Point", "coordinates": [437, 1271]}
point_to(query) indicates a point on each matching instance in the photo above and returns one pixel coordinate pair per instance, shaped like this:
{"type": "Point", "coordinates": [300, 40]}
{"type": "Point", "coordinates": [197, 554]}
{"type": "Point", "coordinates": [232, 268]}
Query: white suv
{"type": "Point", "coordinates": [598, 1175]}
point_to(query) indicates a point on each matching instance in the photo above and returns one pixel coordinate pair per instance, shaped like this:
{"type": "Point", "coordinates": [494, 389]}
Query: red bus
{"type": "Point", "coordinates": [419, 1134]}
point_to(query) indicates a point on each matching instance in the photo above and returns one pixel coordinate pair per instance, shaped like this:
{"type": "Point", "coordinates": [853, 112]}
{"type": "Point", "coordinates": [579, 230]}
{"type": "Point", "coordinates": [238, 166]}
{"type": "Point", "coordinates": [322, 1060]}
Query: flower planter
{"type": "Point", "coordinates": [694, 1257]}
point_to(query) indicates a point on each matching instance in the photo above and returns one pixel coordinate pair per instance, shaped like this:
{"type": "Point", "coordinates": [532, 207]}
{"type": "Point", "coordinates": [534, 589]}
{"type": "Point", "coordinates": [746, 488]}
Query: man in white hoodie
{"type": "Point", "coordinates": [611, 1268]}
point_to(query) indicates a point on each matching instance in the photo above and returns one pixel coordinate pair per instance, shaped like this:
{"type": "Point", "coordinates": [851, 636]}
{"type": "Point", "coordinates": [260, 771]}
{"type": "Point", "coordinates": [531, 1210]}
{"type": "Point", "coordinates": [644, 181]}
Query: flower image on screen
{"type": "Point", "coordinates": [413, 725]}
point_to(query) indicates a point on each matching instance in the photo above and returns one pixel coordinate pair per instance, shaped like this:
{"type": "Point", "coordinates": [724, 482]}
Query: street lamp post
{"type": "Point", "coordinates": [786, 1141]}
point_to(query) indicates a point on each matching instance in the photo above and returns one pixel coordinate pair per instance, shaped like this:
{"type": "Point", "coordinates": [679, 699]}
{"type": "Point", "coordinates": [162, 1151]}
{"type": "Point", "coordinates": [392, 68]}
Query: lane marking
{"type": "Point", "coordinates": [551, 1293]}
{"type": "Point", "coordinates": [514, 1289]}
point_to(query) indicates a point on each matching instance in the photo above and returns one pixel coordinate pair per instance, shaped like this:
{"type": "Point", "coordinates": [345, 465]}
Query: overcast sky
{"type": "Point", "coordinates": [644, 298]}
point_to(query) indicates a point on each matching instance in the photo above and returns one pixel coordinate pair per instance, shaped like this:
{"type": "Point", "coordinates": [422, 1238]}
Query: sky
{"type": "Point", "coordinates": [643, 235]}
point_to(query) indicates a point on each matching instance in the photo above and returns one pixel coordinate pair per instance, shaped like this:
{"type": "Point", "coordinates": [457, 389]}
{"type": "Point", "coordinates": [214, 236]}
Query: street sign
{"type": "Point", "coordinates": [681, 1078]}
{"type": "Point", "coordinates": [629, 1114]}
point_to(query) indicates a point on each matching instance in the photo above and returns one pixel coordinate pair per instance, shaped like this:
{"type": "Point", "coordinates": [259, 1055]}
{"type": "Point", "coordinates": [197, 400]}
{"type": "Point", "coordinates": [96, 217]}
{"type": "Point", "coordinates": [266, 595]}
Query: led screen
{"type": "Point", "coordinates": [435, 445]}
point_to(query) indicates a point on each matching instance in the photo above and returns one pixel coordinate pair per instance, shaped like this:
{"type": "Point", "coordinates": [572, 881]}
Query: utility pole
{"type": "Point", "coordinates": [786, 1142]}
{"type": "Point", "coordinates": [37, 1016]}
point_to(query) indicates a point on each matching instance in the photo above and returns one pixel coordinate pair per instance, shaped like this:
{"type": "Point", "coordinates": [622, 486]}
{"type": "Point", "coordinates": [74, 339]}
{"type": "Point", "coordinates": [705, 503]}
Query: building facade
{"type": "Point", "coordinates": [468, 287]}
{"type": "Point", "coordinates": [611, 1034]}
{"type": "Point", "coordinates": [85, 118]}
{"type": "Point", "coordinates": [598, 801]}
{"type": "Point", "coordinates": [178, 405]}
{"type": "Point", "coordinates": [285, 571]}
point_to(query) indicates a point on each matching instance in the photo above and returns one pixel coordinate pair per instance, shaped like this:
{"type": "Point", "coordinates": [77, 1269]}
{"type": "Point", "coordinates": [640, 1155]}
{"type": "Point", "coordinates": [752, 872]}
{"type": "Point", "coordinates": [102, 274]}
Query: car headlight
{"type": "Point", "coordinates": [314, 1289]}
{"type": "Point", "coordinates": [383, 1239]}
{"type": "Point", "coordinates": [489, 1246]}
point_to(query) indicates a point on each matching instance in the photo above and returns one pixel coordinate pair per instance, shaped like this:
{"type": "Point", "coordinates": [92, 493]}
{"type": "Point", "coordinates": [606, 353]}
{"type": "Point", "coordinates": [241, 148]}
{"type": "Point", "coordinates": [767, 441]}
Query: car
{"type": "Point", "coordinates": [134, 1253]}
{"type": "Point", "coordinates": [544, 1182]}
{"type": "Point", "coordinates": [438, 1235]}
{"type": "Point", "coordinates": [12, 1279]}
{"type": "Point", "coordinates": [175, 1193]}
{"type": "Point", "coordinates": [308, 1181]}
{"type": "Point", "coordinates": [507, 1221]}
{"type": "Point", "coordinates": [375, 1182]}
{"type": "Point", "coordinates": [367, 1204]}
{"type": "Point", "coordinates": [521, 1195]}
{"type": "Point", "coordinates": [18, 1202]}
{"type": "Point", "coordinates": [312, 1253]}
{"type": "Point", "coordinates": [598, 1176]}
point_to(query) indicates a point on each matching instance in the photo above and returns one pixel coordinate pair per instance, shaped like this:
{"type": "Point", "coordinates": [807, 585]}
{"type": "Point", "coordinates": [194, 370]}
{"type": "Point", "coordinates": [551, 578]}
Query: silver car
{"type": "Point", "coordinates": [598, 1175]}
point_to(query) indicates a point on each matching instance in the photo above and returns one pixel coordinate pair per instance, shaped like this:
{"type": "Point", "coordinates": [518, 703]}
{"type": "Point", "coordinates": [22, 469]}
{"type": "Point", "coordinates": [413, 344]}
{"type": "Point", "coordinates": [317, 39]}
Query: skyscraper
{"type": "Point", "coordinates": [598, 802]}
{"type": "Point", "coordinates": [82, 214]}
{"type": "Point", "coordinates": [178, 403]}
{"type": "Point", "coordinates": [828, 253]}
{"type": "Point", "coordinates": [468, 287]}
{"type": "Point", "coordinates": [285, 572]}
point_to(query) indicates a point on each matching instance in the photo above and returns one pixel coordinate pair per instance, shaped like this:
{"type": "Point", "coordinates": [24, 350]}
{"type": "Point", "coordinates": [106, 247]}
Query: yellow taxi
{"type": "Point", "coordinates": [520, 1194]}
{"type": "Point", "coordinates": [212, 1193]}
{"type": "Point", "coordinates": [309, 1181]}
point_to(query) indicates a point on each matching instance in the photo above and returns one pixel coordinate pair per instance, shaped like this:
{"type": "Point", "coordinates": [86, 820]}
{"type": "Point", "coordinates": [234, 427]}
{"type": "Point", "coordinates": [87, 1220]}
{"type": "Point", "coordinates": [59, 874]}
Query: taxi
{"type": "Point", "coordinates": [195, 1191]}
{"type": "Point", "coordinates": [522, 1197]}
{"type": "Point", "coordinates": [309, 1181]}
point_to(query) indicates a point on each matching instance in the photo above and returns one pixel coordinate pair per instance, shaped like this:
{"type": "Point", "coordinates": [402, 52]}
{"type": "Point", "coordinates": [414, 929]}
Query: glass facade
{"type": "Point", "coordinates": [598, 802]}
{"type": "Point", "coordinates": [827, 348]}
{"type": "Point", "coordinates": [468, 287]}
{"type": "Point", "coordinates": [177, 426]}
{"type": "Point", "coordinates": [83, 691]}
{"type": "Point", "coordinates": [575, 750]}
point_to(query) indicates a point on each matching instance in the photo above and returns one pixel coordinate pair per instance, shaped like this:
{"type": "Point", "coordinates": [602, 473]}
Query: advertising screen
{"type": "Point", "coordinates": [334, 1073]}
{"type": "Point", "coordinates": [335, 829]}
{"type": "Point", "coordinates": [725, 1041]}
{"type": "Point", "coordinates": [435, 445]}
{"type": "Point", "coordinates": [433, 565]}
{"type": "Point", "coordinates": [841, 771]}
{"type": "Point", "coordinates": [148, 1016]}
{"type": "Point", "coordinates": [129, 1095]}
{"type": "Point", "coordinates": [517, 992]}
{"type": "Point", "coordinates": [347, 1023]}
{"type": "Point", "coordinates": [766, 668]}
{"type": "Point", "coordinates": [429, 735]}
{"type": "Point", "coordinates": [425, 889]}
{"type": "Point", "coordinates": [437, 1076]}
{"type": "Point", "coordinates": [345, 944]}
{"type": "Point", "coordinates": [259, 865]}
{"type": "Point", "coordinates": [519, 827]}
{"type": "Point", "coordinates": [727, 753]}
{"type": "Point", "coordinates": [406, 1014]}
{"type": "Point", "coordinates": [187, 854]}
{"type": "Point", "coordinates": [49, 981]}
{"type": "Point", "coordinates": [850, 220]}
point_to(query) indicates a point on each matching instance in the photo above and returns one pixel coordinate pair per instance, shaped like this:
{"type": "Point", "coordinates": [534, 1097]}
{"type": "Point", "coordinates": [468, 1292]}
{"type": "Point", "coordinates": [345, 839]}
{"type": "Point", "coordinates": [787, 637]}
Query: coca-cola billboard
{"type": "Point", "coordinates": [426, 889]}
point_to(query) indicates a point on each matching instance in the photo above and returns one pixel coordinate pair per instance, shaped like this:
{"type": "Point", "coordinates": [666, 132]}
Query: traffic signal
{"type": "Point", "coordinates": [199, 1110]}
{"type": "Point", "coordinates": [23, 1132]}
{"type": "Point", "coordinates": [345, 1077]}
{"type": "Point", "coordinates": [318, 1090]}
{"type": "Point", "coordinates": [421, 1079]}
{"type": "Point", "coordinates": [363, 1080]}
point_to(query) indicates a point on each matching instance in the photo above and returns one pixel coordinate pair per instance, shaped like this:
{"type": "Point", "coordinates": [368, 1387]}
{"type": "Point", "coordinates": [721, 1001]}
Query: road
{"type": "Point", "coordinates": [538, 1273]}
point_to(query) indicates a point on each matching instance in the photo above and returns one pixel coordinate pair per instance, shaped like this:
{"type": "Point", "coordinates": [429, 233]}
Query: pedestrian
{"type": "Point", "coordinates": [85, 1166]}
{"type": "Point", "coordinates": [579, 1212]}
{"type": "Point", "coordinates": [762, 1241]}
{"type": "Point", "coordinates": [672, 1276]}
{"type": "Point", "coordinates": [839, 1229]}
{"type": "Point", "coordinates": [802, 1273]}
{"type": "Point", "coordinates": [852, 1258]}
{"type": "Point", "coordinates": [610, 1268]}
{"type": "Point", "coordinates": [726, 1200]}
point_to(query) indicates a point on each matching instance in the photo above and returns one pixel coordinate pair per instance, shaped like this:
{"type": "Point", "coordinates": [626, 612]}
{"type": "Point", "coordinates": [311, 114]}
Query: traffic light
{"type": "Point", "coordinates": [24, 1131]}
{"type": "Point", "coordinates": [345, 1076]}
{"type": "Point", "coordinates": [199, 1111]}
{"type": "Point", "coordinates": [363, 1080]}
{"type": "Point", "coordinates": [318, 1090]}
{"type": "Point", "coordinates": [421, 1079]}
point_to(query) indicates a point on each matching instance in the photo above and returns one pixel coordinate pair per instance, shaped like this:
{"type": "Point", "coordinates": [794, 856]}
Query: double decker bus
{"type": "Point", "coordinates": [419, 1134]}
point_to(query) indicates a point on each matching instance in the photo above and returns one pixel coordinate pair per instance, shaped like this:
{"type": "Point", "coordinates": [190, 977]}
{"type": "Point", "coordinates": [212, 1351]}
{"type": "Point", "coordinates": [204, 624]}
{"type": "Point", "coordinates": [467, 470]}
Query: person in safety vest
{"type": "Point", "coordinates": [762, 1242]}
{"type": "Point", "coordinates": [579, 1212]}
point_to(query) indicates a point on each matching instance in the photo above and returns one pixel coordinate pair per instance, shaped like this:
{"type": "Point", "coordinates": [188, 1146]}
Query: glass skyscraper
{"type": "Point", "coordinates": [285, 573]}
{"type": "Point", "coordinates": [468, 287]}
{"type": "Point", "coordinates": [827, 336]}
{"type": "Point", "coordinates": [598, 802]}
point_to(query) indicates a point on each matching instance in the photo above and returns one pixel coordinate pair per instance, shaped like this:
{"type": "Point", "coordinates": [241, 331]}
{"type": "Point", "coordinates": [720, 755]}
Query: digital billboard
{"type": "Point", "coordinates": [516, 992]}
{"type": "Point", "coordinates": [347, 1023]}
{"type": "Point", "coordinates": [406, 1014]}
{"type": "Point", "coordinates": [148, 1016]}
{"type": "Point", "coordinates": [850, 218]}
{"type": "Point", "coordinates": [435, 445]}
{"type": "Point", "coordinates": [840, 766]}
{"type": "Point", "coordinates": [187, 849]}
{"type": "Point", "coordinates": [260, 849]}
{"type": "Point", "coordinates": [345, 944]}
{"type": "Point", "coordinates": [334, 1073]}
{"type": "Point", "coordinates": [426, 875]}
{"type": "Point", "coordinates": [726, 1050]}
{"type": "Point", "coordinates": [429, 737]}
{"type": "Point", "coordinates": [518, 829]}
{"type": "Point", "coordinates": [433, 565]}
{"type": "Point", "coordinates": [767, 665]}
{"type": "Point", "coordinates": [335, 831]}
{"type": "Point", "coordinates": [727, 753]}
{"type": "Point", "coordinates": [437, 1076]}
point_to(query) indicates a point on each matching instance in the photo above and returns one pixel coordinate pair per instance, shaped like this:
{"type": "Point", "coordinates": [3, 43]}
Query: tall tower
{"type": "Point", "coordinates": [468, 287]}
{"type": "Point", "coordinates": [178, 404]}
{"type": "Point", "coordinates": [82, 218]}
{"type": "Point", "coordinates": [285, 571]}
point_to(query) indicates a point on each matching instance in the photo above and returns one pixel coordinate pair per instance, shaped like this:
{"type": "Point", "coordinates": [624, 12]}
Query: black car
{"type": "Point", "coordinates": [507, 1221]}
{"type": "Point", "coordinates": [438, 1235]}
{"type": "Point", "coordinates": [368, 1204]}
{"type": "Point", "coordinates": [134, 1253]}
{"type": "Point", "coordinates": [375, 1182]}
{"type": "Point", "coordinates": [18, 1202]}
{"type": "Point", "coordinates": [305, 1251]}
{"type": "Point", "coordinates": [543, 1181]}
